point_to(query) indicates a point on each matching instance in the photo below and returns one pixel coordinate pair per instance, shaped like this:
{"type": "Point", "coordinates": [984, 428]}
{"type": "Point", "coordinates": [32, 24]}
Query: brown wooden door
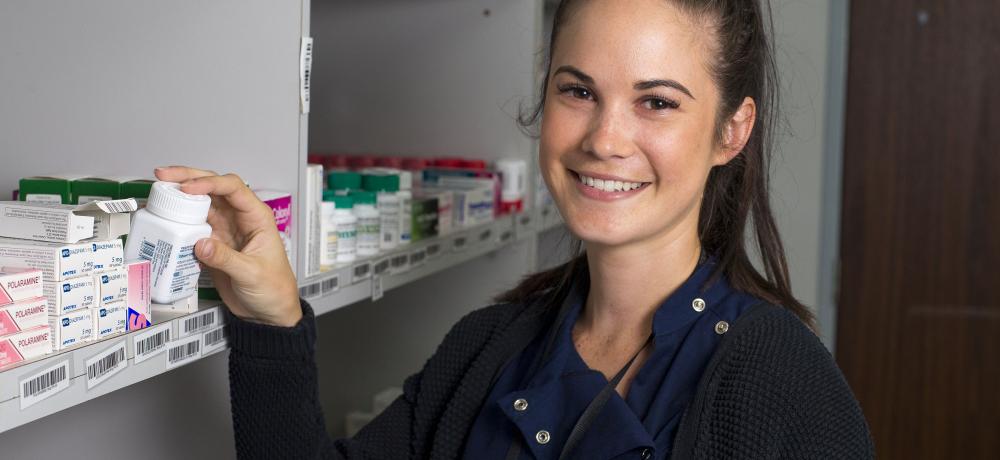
{"type": "Point", "coordinates": [919, 302]}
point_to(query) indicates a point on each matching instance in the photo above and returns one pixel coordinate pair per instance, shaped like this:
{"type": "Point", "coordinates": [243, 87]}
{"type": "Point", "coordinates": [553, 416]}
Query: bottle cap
{"type": "Point", "coordinates": [168, 201]}
{"type": "Point", "coordinates": [344, 180]}
{"type": "Point", "coordinates": [364, 198]}
{"type": "Point", "coordinates": [329, 195]}
{"type": "Point", "coordinates": [343, 202]}
{"type": "Point", "coordinates": [380, 183]}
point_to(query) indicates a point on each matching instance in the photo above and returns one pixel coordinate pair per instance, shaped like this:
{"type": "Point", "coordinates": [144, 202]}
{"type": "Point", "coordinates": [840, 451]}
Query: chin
{"type": "Point", "coordinates": [594, 231]}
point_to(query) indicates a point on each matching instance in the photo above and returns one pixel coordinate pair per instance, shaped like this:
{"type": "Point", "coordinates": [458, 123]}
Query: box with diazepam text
{"type": "Point", "coordinates": [112, 286]}
{"type": "Point", "coordinates": [71, 294]}
{"type": "Point", "coordinates": [18, 284]}
{"type": "Point", "coordinates": [109, 319]}
{"type": "Point", "coordinates": [72, 329]}
{"type": "Point", "coordinates": [25, 345]}
{"type": "Point", "coordinates": [23, 315]}
{"type": "Point", "coordinates": [57, 261]}
{"type": "Point", "coordinates": [59, 223]}
{"type": "Point", "coordinates": [108, 255]}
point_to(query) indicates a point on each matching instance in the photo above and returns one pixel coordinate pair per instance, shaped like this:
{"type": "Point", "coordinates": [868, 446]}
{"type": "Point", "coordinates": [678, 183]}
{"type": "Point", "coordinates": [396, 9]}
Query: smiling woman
{"type": "Point", "coordinates": [658, 340]}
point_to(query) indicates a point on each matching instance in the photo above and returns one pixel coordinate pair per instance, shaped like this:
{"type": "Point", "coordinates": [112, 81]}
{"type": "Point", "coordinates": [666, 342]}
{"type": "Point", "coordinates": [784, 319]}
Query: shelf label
{"type": "Point", "coordinates": [361, 272]}
{"type": "Point", "coordinates": [184, 351]}
{"type": "Point", "coordinates": [401, 263]}
{"type": "Point", "coordinates": [106, 364]}
{"type": "Point", "coordinates": [377, 292]}
{"type": "Point", "coordinates": [213, 340]}
{"type": "Point", "coordinates": [418, 257]}
{"type": "Point", "coordinates": [147, 344]}
{"type": "Point", "coordinates": [42, 385]}
{"type": "Point", "coordinates": [525, 220]}
{"type": "Point", "coordinates": [305, 72]}
{"type": "Point", "coordinates": [506, 236]}
{"type": "Point", "coordinates": [200, 321]}
{"type": "Point", "coordinates": [311, 291]}
{"type": "Point", "coordinates": [458, 244]}
{"type": "Point", "coordinates": [331, 285]}
{"type": "Point", "coordinates": [433, 250]}
{"type": "Point", "coordinates": [380, 267]}
{"type": "Point", "coordinates": [485, 236]}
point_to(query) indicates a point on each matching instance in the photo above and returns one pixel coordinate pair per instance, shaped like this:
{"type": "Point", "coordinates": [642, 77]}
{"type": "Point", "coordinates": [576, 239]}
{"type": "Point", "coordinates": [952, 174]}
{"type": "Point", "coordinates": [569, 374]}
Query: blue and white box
{"type": "Point", "coordinates": [70, 295]}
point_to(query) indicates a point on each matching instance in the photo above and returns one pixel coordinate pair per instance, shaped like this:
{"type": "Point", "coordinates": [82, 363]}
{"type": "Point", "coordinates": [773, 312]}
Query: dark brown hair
{"type": "Point", "coordinates": [736, 194]}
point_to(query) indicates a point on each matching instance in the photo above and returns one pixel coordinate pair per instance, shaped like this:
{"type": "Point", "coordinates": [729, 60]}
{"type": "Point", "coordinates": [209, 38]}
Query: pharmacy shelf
{"type": "Point", "coordinates": [82, 377]}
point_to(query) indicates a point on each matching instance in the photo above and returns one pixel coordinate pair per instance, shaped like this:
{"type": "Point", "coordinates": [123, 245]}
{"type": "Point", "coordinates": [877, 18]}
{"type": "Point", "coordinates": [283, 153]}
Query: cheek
{"type": "Point", "coordinates": [561, 134]}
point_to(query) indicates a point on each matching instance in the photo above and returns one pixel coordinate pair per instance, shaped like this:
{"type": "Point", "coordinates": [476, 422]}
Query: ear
{"type": "Point", "coordinates": [737, 131]}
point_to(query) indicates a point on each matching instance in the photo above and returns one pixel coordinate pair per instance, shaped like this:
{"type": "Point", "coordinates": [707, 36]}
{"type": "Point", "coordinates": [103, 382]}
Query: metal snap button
{"type": "Point", "coordinates": [542, 437]}
{"type": "Point", "coordinates": [646, 454]}
{"type": "Point", "coordinates": [698, 305]}
{"type": "Point", "coordinates": [721, 327]}
{"type": "Point", "coordinates": [521, 405]}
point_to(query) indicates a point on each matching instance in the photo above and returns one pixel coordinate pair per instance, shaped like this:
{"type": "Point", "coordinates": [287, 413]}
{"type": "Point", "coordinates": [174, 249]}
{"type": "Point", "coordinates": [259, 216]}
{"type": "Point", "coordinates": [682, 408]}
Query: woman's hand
{"type": "Point", "coordinates": [244, 255]}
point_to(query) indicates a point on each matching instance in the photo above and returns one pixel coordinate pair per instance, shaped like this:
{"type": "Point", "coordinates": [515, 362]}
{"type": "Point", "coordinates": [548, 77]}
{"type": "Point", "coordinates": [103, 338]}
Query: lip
{"type": "Point", "coordinates": [601, 195]}
{"type": "Point", "coordinates": [604, 176]}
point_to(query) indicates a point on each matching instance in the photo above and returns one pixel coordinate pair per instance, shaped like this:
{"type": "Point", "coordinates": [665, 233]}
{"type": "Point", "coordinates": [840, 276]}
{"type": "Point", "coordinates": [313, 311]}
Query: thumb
{"type": "Point", "coordinates": [218, 255]}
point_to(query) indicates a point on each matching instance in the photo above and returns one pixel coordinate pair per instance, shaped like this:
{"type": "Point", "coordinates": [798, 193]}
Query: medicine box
{"type": "Point", "coordinates": [18, 284]}
{"type": "Point", "coordinates": [25, 345]}
{"type": "Point", "coordinates": [110, 319]}
{"type": "Point", "coordinates": [46, 189]}
{"type": "Point", "coordinates": [72, 329]}
{"type": "Point", "coordinates": [137, 189]}
{"type": "Point", "coordinates": [138, 297]}
{"type": "Point", "coordinates": [60, 223]}
{"type": "Point", "coordinates": [70, 294]}
{"type": "Point", "coordinates": [108, 255]}
{"type": "Point", "coordinates": [112, 286]}
{"type": "Point", "coordinates": [57, 261]}
{"type": "Point", "coordinates": [425, 217]}
{"type": "Point", "coordinates": [94, 189]}
{"type": "Point", "coordinates": [281, 205]}
{"type": "Point", "coordinates": [23, 315]}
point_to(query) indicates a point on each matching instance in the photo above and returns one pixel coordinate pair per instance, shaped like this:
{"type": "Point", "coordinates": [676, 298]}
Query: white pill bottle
{"type": "Point", "coordinates": [164, 233]}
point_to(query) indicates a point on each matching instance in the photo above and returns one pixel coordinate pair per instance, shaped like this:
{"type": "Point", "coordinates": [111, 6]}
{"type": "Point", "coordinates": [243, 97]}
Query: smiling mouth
{"type": "Point", "coordinates": [607, 185]}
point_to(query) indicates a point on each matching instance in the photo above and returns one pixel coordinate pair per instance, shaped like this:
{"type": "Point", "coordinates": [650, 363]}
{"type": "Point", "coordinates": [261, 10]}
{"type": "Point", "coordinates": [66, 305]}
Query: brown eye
{"type": "Point", "coordinates": [656, 103]}
{"type": "Point", "coordinates": [578, 92]}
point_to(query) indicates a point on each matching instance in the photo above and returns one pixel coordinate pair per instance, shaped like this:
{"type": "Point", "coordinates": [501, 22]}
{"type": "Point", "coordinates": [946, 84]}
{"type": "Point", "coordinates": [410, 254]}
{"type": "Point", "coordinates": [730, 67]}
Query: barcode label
{"type": "Point", "coordinates": [485, 236]}
{"type": "Point", "coordinates": [458, 244]}
{"type": "Point", "coordinates": [433, 250]}
{"type": "Point", "coordinates": [417, 257]}
{"type": "Point", "coordinates": [305, 73]}
{"type": "Point", "coordinates": [147, 250]}
{"type": "Point", "coordinates": [401, 263]}
{"type": "Point", "coordinates": [150, 343]}
{"type": "Point", "coordinates": [184, 351]}
{"type": "Point", "coordinates": [525, 220]}
{"type": "Point", "coordinates": [331, 285]}
{"type": "Point", "coordinates": [380, 267]}
{"type": "Point", "coordinates": [361, 271]}
{"type": "Point", "coordinates": [377, 291]}
{"type": "Point", "coordinates": [506, 236]}
{"type": "Point", "coordinates": [106, 364]}
{"type": "Point", "coordinates": [213, 340]}
{"type": "Point", "coordinates": [118, 206]}
{"type": "Point", "coordinates": [44, 384]}
{"type": "Point", "coordinates": [200, 321]}
{"type": "Point", "coordinates": [310, 291]}
{"type": "Point", "coordinates": [387, 237]}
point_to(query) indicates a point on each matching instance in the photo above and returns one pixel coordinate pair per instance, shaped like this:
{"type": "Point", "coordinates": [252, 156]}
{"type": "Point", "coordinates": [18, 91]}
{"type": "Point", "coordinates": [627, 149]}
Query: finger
{"type": "Point", "coordinates": [230, 187]}
{"type": "Point", "coordinates": [180, 173]}
{"type": "Point", "coordinates": [219, 256]}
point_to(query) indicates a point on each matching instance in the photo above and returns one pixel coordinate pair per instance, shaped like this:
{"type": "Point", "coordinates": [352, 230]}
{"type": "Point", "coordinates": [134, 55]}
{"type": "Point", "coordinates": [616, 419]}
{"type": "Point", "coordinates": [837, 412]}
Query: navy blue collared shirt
{"type": "Point", "coordinates": [542, 409]}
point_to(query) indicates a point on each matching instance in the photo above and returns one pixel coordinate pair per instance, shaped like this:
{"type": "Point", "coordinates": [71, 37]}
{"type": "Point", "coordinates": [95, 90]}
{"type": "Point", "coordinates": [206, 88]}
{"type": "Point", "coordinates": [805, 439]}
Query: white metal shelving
{"type": "Point", "coordinates": [326, 292]}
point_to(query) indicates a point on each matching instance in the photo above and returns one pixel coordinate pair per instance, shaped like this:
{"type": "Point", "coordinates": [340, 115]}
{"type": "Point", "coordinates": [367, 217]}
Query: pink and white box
{"type": "Point", "coordinates": [25, 345]}
{"type": "Point", "coordinates": [17, 284]}
{"type": "Point", "coordinates": [23, 315]}
{"type": "Point", "coordinates": [137, 298]}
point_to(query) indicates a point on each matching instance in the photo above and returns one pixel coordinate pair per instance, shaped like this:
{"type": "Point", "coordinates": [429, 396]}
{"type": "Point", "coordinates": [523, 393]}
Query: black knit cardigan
{"type": "Point", "coordinates": [771, 390]}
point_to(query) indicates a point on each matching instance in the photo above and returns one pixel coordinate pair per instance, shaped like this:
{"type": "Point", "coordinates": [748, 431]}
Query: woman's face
{"type": "Point", "coordinates": [628, 131]}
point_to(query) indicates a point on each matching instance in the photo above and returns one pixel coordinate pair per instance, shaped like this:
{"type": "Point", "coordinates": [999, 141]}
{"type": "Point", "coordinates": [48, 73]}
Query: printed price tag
{"type": "Point", "coordinates": [485, 235]}
{"type": "Point", "coordinates": [418, 257]}
{"type": "Point", "coordinates": [506, 236]}
{"type": "Point", "coordinates": [106, 364]}
{"type": "Point", "coordinates": [331, 285]}
{"type": "Point", "coordinates": [401, 263]}
{"type": "Point", "coordinates": [213, 340]}
{"type": "Point", "coordinates": [377, 292]}
{"type": "Point", "coordinates": [459, 243]}
{"type": "Point", "coordinates": [147, 344]}
{"type": "Point", "coordinates": [200, 321]}
{"type": "Point", "coordinates": [433, 250]}
{"type": "Point", "coordinates": [361, 271]}
{"type": "Point", "coordinates": [184, 351]}
{"type": "Point", "coordinates": [43, 385]}
{"type": "Point", "coordinates": [311, 291]}
{"type": "Point", "coordinates": [381, 267]}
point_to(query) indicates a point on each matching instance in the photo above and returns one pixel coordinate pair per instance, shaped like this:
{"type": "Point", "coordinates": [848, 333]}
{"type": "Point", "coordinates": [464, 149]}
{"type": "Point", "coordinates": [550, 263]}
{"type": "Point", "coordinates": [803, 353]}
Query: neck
{"type": "Point", "coordinates": [628, 283]}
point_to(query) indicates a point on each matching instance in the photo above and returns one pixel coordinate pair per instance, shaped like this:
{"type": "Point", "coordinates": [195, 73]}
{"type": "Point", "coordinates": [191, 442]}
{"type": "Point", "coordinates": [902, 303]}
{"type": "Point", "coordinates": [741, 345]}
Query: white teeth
{"type": "Point", "coordinates": [610, 185]}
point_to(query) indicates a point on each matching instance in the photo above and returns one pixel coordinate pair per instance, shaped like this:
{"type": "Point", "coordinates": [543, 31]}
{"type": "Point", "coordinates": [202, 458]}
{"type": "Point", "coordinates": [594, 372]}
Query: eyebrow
{"type": "Point", "coordinates": [640, 86]}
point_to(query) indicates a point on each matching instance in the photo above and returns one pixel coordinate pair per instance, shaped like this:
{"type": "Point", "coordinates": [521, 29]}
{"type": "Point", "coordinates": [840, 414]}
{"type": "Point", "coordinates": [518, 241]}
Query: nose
{"type": "Point", "coordinates": [609, 135]}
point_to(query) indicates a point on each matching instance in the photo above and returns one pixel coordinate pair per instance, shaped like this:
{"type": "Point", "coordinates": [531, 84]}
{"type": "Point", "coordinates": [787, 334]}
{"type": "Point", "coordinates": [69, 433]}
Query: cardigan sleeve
{"type": "Point", "coordinates": [774, 392]}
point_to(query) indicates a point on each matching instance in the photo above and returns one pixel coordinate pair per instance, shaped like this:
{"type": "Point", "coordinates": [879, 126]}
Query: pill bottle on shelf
{"type": "Point", "coordinates": [347, 228]}
{"type": "Point", "coordinates": [328, 231]}
{"type": "Point", "coordinates": [369, 223]}
{"type": "Point", "coordinates": [386, 187]}
{"type": "Point", "coordinates": [164, 233]}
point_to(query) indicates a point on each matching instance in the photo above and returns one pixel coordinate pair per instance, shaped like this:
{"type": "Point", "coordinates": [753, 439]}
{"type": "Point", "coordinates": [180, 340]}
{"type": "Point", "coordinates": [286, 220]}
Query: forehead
{"type": "Point", "coordinates": [634, 39]}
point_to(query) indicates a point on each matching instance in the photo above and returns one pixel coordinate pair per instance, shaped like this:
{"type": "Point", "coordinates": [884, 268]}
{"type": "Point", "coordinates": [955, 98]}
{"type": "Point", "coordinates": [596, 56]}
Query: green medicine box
{"type": "Point", "coordinates": [138, 189]}
{"type": "Point", "coordinates": [45, 189]}
{"type": "Point", "coordinates": [94, 189]}
{"type": "Point", "coordinates": [425, 218]}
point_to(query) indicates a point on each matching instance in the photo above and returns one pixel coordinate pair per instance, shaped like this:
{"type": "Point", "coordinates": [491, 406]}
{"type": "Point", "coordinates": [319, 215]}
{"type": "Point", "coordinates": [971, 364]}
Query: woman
{"type": "Point", "coordinates": [660, 340]}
